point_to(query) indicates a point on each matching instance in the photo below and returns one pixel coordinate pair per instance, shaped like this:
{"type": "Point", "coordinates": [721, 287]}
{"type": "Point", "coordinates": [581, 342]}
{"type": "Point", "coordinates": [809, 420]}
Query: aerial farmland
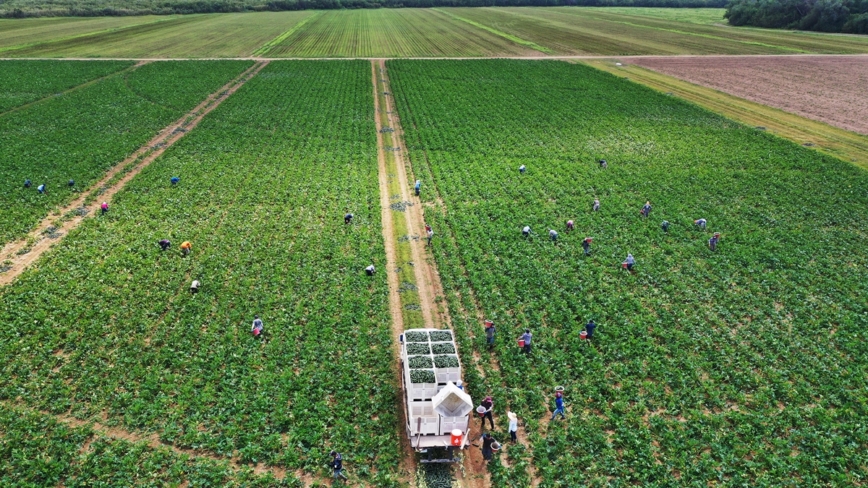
{"type": "Point", "coordinates": [303, 248]}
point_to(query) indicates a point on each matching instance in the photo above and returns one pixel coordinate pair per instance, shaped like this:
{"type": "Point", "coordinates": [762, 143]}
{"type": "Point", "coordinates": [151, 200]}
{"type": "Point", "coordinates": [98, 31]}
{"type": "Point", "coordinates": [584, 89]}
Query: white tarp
{"type": "Point", "coordinates": [451, 401]}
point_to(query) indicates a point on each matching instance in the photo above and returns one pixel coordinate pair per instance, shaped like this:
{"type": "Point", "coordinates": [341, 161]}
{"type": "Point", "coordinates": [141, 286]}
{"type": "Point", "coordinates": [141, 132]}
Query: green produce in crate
{"type": "Point", "coordinates": [422, 376]}
{"type": "Point", "coordinates": [447, 361]}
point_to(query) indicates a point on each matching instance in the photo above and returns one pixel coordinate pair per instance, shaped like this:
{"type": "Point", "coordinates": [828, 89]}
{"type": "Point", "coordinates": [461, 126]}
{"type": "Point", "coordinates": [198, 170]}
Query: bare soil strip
{"type": "Point", "coordinates": [153, 441]}
{"type": "Point", "coordinates": [75, 88]}
{"type": "Point", "coordinates": [840, 143]}
{"type": "Point", "coordinates": [18, 255]}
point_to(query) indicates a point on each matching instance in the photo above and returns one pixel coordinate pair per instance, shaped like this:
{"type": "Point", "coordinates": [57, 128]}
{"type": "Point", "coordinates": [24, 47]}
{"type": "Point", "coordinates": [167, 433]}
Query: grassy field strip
{"type": "Point", "coordinates": [120, 70]}
{"type": "Point", "coordinates": [496, 32]}
{"type": "Point", "coordinates": [837, 142]}
{"type": "Point", "coordinates": [282, 37]}
{"type": "Point", "coordinates": [18, 255]}
{"type": "Point", "coordinates": [17, 47]}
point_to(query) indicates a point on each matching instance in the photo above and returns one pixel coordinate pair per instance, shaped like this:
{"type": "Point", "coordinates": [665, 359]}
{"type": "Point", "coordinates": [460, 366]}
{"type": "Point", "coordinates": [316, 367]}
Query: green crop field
{"type": "Point", "coordinates": [24, 82]}
{"type": "Point", "coordinates": [744, 366]}
{"type": "Point", "coordinates": [440, 32]}
{"type": "Point", "coordinates": [80, 135]}
{"type": "Point", "coordinates": [265, 181]}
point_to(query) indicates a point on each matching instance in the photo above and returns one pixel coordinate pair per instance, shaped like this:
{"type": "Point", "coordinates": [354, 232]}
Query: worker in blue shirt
{"type": "Point", "coordinates": [559, 406]}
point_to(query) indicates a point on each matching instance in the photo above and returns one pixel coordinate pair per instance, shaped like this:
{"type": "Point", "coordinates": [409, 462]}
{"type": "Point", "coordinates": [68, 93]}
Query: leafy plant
{"type": "Point", "coordinates": [422, 376]}
{"type": "Point", "coordinates": [420, 362]}
{"type": "Point", "coordinates": [449, 361]}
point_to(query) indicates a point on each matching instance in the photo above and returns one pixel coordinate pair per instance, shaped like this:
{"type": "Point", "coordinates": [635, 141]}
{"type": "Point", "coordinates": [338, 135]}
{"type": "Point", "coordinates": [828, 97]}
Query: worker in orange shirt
{"type": "Point", "coordinates": [186, 247]}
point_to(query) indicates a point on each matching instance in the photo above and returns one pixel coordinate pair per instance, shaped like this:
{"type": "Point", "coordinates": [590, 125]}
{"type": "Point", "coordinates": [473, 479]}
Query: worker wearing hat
{"type": "Point", "coordinates": [513, 425]}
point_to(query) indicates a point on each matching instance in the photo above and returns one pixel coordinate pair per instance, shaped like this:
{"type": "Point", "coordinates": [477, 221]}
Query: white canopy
{"type": "Point", "coordinates": [451, 401]}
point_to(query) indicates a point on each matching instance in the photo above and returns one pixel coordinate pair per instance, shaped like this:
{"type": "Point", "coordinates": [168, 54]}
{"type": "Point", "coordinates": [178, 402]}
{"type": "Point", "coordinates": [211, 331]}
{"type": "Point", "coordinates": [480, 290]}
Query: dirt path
{"type": "Point", "coordinates": [16, 256]}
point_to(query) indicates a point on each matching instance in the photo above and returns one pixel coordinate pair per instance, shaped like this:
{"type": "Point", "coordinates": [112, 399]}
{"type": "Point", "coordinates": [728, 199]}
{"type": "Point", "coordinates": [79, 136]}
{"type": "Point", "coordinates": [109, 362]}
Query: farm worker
{"type": "Point", "coordinates": [370, 270]}
{"type": "Point", "coordinates": [590, 326]}
{"type": "Point", "coordinates": [27, 183]}
{"type": "Point", "coordinates": [186, 247]}
{"type": "Point", "coordinates": [554, 235]}
{"type": "Point", "coordinates": [513, 425]}
{"type": "Point", "coordinates": [526, 337]}
{"type": "Point", "coordinates": [348, 218]}
{"type": "Point", "coordinates": [570, 225]}
{"type": "Point", "coordinates": [41, 188]}
{"type": "Point", "coordinates": [700, 223]}
{"type": "Point", "coordinates": [337, 465]}
{"type": "Point", "coordinates": [430, 234]}
{"type": "Point", "coordinates": [194, 286]}
{"type": "Point", "coordinates": [603, 164]}
{"type": "Point", "coordinates": [522, 169]}
{"type": "Point", "coordinates": [586, 245]}
{"type": "Point", "coordinates": [175, 180]}
{"type": "Point", "coordinates": [559, 406]}
{"type": "Point", "coordinates": [489, 333]}
{"type": "Point", "coordinates": [629, 262]}
{"type": "Point", "coordinates": [460, 385]}
{"type": "Point", "coordinates": [488, 404]}
{"type": "Point", "coordinates": [487, 442]}
{"type": "Point", "coordinates": [665, 226]}
{"type": "Point", "coordinates": [257, 327]}
{"type": "Point", "coordinates": [646, 209]}
{"type": "Point", "coordinates": [71, 183]}
{"type": "Point", "coordinates": [712, 243]}
{"type": "Point", "coordinates": [164, 244]}
{"type": "Point", "coordinates": [418, 187]}
{"type": "Point", "coordinates": [526, 231]}
{"type": "Point", "coordinates": [596, 204]}
{"type": "Point", "coordinates": [104, 207]}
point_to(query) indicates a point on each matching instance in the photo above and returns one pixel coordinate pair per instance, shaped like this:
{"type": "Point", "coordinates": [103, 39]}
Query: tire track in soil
{"type": "Point", "coordinates": [19, 255]}
{"type": "Point", "coordinates": [473, 462]}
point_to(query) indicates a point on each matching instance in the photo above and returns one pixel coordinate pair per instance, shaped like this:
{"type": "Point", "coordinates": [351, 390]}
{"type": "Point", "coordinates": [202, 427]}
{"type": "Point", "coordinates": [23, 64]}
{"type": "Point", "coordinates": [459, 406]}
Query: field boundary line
{"type": "Point", "coordinates": [151, 440]}
{"type": "Point", "coordinates": [268, 46]}
{"type": "Point", "coordinates": [840, 143]}
{"type": "Point", "coordinates": [499, 33]}
{"type": "Point", "coordinates": [18, 255]}
{"type": "Point", "coordinates": [74, 88]}
{"type": "Point", "coordinates": [79, 36]}
{"type": "Point", "coordinates": [599, 57]}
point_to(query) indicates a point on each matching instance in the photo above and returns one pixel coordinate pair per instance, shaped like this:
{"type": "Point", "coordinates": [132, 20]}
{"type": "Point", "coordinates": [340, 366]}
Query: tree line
{"type": "Point", "coordinates": [98, 8]}
{"type": "Point", "coordinates": [816, 15]}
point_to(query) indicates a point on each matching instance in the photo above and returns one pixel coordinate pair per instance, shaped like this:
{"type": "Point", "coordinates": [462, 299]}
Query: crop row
{"type": "Point", "coordinates": [265, 180]}
{"type": "Point", "coordinates": [80, 135]}
{"type": "Point", "coordinates": [743, 365]}
{"type": "Point", "coordinates": [22, 82]}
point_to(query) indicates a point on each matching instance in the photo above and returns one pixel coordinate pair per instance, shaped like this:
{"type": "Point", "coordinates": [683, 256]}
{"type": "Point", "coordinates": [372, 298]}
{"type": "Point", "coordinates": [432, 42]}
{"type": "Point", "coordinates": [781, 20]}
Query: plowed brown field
{"type": "Point", "coordinates": [830, 89]}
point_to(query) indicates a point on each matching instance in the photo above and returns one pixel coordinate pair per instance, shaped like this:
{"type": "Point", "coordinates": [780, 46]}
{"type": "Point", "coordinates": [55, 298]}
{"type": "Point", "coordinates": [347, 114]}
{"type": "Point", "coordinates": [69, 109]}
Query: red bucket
{"type": "Point", "coordinates": [583, 335]}
{"type": "Point", "coordinates": [521, 343]}
{"type": "Point", "coordinates": [457, 437]}
{"type": "Point", "coordinates": [624, 265]}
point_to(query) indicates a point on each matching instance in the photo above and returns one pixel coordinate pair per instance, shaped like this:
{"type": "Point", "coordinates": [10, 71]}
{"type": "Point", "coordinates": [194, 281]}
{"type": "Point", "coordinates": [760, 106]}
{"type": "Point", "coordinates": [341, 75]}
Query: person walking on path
{"type": "Point", "coordinates": [194, 287]}
{"type": "Point", "coordinates": [665, 226]}
{"type": "Point", "coordinates": [488, 404]}
{"type": "Point", "coordinates": [164, 244]}
{"type": "Point", "coordinates": [337, 465]}
{"type": "Point", "coordinates": [526, 337]}
{"type": "Point", "coordinates": [596, 205]}
{"type": "Point", "coordinates": [629, 262]}
{"type": "Point", "coordinates": [712, 243]}
{"type": "Point", "coordinates": [418, 187]}
{"type": "Point", "coordinates": [586, 245]}
{"type": "Point", "coordinates": [570, 225]}
{"type": "Point", "coordinates": [513, 426]}
{"type": "Point", "coordinates": [701, 223]}
{"type": "Point", "coordinates": [522, 169]}
{"type": "Point", "coordinates": [41, 188]}
{"type": "Point", "coordinates": [487, 442]}
{"type": "Point", "coordinates": [489, 334]}
{"type": "Point", "coordinates": [186, 247]}
{"type": "Point", "coordinates": [526, 231]}
{"type": "Point", "coordinates": [258, 328]}
{"type": "Point", "coordinates": [104, 207]}
{"type": "Point", "coordinates": [370, 270]}
{"type": "Point", "coordinates": [559, 406]}
{"type": "Point", "coordinates": [429, 233]}
{"type": "Point", "coordinates": [554, 235]}
{"type": "Point", "coordinates": [646, 209]}
{"type": "Point", "coordinates": [589, 327]}
{"type": "Point", "coordinates": [348, 218]}
{"type": "Point", "coordinates": [175, 180]}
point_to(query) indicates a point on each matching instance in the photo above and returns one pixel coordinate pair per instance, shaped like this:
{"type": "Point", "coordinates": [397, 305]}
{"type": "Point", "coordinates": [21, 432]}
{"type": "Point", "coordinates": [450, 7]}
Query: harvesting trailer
{"type": "Point", "coordinates": [435, 407]}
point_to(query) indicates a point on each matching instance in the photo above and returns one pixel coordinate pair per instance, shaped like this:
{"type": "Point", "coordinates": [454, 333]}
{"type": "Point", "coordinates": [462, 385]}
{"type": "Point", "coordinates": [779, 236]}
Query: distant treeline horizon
{"type": "Point", "coordinates": [850, 16]}
{"type": "Point", "coordinates": [101, 8]}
